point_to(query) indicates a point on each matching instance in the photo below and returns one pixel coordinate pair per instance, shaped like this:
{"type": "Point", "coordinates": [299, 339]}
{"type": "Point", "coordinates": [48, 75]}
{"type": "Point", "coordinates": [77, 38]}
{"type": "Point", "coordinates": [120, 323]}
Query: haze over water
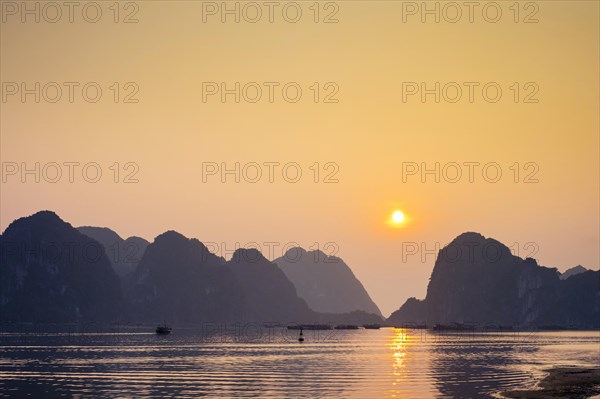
{"type": "Point", "coordinates": [386, 363]}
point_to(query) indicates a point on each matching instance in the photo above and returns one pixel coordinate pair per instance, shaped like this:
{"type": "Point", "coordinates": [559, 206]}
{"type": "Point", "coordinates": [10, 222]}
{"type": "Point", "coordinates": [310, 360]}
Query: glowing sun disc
{"type": "Point", "coordinates": [398, 217]}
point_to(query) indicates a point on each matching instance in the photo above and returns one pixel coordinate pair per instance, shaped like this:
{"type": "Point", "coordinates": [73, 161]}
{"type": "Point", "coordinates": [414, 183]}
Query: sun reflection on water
{"type": "Point", "coordinates": [398, 346]}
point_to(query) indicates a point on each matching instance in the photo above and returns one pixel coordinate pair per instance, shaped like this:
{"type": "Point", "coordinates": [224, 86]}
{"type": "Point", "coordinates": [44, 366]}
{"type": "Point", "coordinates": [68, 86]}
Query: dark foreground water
{"type": "Point", "coordinates": [269, 363]}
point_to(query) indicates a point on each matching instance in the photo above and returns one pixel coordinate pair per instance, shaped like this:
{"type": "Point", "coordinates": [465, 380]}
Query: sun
{"type": "Point", "coordinates": [398, 217]}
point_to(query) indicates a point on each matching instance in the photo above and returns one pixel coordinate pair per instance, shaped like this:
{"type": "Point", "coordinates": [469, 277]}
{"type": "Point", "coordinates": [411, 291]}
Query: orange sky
{"type": "Point", "coordinates": [368, 134]}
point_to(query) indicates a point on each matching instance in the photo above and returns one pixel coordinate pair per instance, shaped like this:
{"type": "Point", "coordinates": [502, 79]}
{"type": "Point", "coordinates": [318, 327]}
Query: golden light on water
{"type": "Point", "coordinates": [398, 347]}
{"type": "Point", "coordinates": [400, 341]}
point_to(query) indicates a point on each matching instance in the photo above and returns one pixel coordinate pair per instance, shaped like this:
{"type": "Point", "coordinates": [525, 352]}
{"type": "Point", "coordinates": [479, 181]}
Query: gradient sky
{"type": "Point", "coordinates": [369, 133]}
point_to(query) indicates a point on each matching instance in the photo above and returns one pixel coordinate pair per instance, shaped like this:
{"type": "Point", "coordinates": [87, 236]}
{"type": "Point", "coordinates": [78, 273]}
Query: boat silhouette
{"type": "Point", "coordinates": [163, 329]}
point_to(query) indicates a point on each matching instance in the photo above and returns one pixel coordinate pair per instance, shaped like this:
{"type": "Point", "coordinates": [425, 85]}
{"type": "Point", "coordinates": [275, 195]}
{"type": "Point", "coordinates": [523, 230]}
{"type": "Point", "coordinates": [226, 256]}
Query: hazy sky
{"type": "Point", "coordinates": [168, 59]}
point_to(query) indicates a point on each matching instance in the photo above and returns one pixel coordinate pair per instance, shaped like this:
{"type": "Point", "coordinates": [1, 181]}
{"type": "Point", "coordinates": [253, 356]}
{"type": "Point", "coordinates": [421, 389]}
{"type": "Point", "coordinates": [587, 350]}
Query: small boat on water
{"type": "Point", "coordinates": [163, 330]}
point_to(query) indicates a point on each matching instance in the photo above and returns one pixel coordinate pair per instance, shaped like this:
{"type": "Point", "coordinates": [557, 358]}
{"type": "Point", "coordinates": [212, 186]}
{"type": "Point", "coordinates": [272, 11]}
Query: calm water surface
{"type": "Point", "coordinates": [270, 363]}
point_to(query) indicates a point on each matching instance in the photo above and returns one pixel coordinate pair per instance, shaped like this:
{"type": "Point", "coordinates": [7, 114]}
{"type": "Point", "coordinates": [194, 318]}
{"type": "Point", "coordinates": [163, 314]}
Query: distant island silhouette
{"type": "Point", "coordinates": [326, 283]}
{"type": "Point", "coordinates": [486, 284]}
{"type": "Point", "coordinates": [54, 272]}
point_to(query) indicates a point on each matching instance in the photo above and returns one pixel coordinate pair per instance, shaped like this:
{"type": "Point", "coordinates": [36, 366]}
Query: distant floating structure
{"type": "Point", "coordinates": [413, 326]}
{"type": "Point", "coordinates": [453, 327]}
{"type": "Point", "coordinates": [301, 336]}
{"type": "Point", "coordinates": [163, 329]}
{"type": "Point", "coordinates": [310, 327]}
{"type": "Point", "coordinates": [372, 326]}
{"type": "Point", "coordinates": [346, 327]}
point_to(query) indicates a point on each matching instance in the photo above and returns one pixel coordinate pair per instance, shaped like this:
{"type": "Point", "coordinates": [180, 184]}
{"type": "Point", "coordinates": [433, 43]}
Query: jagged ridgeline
{"type": "Point", "coordinates": [326, 283]}
{"type": "Point", "coordinates": [478, 280]}
{"type": "Point", "coordinates": [53, 272]}
{"type": "Point", "coordinates": [124, 254]}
